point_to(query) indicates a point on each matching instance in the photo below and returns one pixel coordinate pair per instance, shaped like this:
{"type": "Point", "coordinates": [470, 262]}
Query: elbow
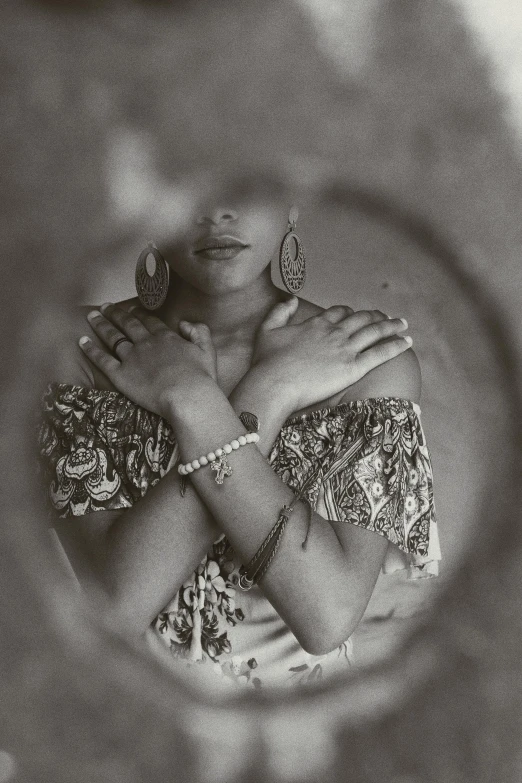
{"type": "Point", "coordinates": [319, 646]}
{"type": "Point", "coordinates": [131, 625]}
{"type": "Point", "coordinates": [321, 638]}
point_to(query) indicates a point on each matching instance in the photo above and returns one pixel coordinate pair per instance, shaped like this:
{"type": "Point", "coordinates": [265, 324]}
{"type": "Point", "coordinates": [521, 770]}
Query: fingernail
{"type": "Point", "coordinates": [404, 321]}
{"type": "Point", "coordinates": [84, 340]}
{"type": "Point", "coordinates": [132, 307]}
{"type": "Point", "coordinates": [93, 314]}
{"type": "Point", "coordinates": [408, 340]}
{"type": "Point", "coordinates": [105, 306]}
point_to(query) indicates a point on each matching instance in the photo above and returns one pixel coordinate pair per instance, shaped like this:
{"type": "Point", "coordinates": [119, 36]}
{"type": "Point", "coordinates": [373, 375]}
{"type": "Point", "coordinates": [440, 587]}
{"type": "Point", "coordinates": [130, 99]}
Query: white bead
{"type": "Point", "coordinates": [250, 437]}
{"type": "Point", "coordinates": [219, 452]}
{"type": "Point", "coordinates": [227, 448]}
{"type": "Point", "coordinates": [234, 444]}
{"type": "Point", "coordinates": [195, 464]}
{"type": "Point", "coordinates": [189, 468]}
{"type": "Point", "coordinates": [181, 469]}
{"type": "Point", "coordinates": [203, 461]}
{"type": "Point", "coordinates": [255, 437]}
{"type": "Point", "coordinates": [211, 456]}
{"type": "Point", "coordinates": [242, 440]}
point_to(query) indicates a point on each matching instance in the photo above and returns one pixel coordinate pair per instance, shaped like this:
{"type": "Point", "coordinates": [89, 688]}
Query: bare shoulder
{"type": "Point", "coordinates": [306, 310]}
{"type": "Point", "coordinates": [398, 377]}
{"type": "Point", "coordinates": [61, 328]}
{"type": "Point", "coordinates": [55, 331]}
{"type": "Point", "coordinates": [70, 365]}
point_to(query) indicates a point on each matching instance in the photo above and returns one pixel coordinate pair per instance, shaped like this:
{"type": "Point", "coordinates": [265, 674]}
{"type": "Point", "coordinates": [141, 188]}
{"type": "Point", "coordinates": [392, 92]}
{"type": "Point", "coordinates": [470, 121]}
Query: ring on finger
{"type": "Point", "coordinates": [119, 341]}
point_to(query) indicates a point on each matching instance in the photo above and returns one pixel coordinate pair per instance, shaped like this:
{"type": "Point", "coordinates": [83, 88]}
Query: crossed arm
{"type": "Point", "coordinates": [143, 555]}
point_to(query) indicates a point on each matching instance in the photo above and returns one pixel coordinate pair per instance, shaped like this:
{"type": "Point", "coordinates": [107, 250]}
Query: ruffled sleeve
{"type": "Point", "coordinates": [366, 463]}
{"type": "Point", "coordinates": [98, 450]}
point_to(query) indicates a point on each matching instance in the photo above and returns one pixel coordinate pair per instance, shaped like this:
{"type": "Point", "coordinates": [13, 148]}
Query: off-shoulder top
{"type": "Point", "coordinates": [364, 463]}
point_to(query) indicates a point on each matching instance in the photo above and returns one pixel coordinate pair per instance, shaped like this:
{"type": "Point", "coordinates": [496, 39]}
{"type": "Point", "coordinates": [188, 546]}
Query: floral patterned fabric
{"type": "Point", "coordinates": [370, 466]}
{"type": "Point", "coordinates": [364, 462]}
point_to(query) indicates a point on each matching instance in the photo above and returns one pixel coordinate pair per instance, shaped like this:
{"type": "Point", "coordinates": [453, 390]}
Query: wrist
{"type": "Point", "coordinates": [184, 398]}
{"type": "Point", "coordinates": [269, 398]}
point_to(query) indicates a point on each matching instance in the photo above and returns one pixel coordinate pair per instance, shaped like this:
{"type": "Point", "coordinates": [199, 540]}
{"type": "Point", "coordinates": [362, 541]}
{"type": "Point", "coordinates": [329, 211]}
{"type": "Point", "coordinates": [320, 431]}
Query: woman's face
{"type": "Point", "coordinates": [230, 233]}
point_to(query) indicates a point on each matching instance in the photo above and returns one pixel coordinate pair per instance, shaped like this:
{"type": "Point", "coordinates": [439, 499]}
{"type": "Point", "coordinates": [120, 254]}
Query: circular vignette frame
{"type": "Point", "coordinates": [291, 736]}
{"type": "Point", "coordinates": [83, 704]}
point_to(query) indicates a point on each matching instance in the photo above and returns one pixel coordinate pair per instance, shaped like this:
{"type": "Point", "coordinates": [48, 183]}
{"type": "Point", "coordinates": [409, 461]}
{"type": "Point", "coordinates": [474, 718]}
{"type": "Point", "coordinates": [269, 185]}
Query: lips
{"type": "Point", "coordinates": [219, 243]}
{"type": "Point", "coordinates": [222, 248]}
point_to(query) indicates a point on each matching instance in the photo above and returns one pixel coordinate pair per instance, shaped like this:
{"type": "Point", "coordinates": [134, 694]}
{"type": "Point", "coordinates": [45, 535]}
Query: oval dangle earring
{"type": "Point", "coordinates": [292, 262]}
{"type": "Point", "coordinates": [152, 277]}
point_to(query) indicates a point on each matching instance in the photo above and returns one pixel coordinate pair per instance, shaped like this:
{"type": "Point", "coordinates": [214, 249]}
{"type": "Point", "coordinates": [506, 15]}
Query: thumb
{"type": "Point", "coordinates": [197, 333]}
{"type": "Point", "coordinates": [280, 314]}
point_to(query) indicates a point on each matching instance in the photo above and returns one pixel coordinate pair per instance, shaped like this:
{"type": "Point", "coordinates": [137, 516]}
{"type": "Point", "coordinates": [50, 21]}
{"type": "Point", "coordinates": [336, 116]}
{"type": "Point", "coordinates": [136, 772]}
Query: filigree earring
{"type": "Point", "coordinates": [292, 263]}
{"type": "Point", "coordinates": [152, 277]}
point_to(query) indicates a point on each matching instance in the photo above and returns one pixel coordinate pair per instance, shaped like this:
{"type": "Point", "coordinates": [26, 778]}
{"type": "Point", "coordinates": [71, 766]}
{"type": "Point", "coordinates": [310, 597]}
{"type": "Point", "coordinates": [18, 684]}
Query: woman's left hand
{"type": "Point", "coordinates": [153, 365]}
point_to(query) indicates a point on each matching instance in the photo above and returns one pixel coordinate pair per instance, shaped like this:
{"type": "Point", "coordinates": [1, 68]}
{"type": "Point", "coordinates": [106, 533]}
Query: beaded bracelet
{"type": "Point", "coordinates": [218, 458]}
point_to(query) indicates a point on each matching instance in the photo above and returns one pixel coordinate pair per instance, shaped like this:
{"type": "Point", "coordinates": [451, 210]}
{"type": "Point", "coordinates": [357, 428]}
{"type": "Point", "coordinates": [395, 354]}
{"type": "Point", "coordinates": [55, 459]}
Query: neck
{"type": "Point", "coordinates": [231, 316]}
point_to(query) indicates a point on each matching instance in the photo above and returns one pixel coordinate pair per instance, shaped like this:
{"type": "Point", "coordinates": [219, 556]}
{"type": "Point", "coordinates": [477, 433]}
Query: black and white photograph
{"type": "Point", "coordinates": [260, 451]}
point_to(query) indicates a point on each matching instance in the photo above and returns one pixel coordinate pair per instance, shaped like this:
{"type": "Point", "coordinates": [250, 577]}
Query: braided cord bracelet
{"type": "Point", "coordinates": [259, 564]}
{"type": "Point", "coordinates": [255, 570]}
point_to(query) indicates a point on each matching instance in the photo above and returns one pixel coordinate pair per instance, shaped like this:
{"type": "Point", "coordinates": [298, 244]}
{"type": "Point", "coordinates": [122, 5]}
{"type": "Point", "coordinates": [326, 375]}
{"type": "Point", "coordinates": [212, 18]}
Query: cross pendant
{"type": "Point", "coordinates": [221, 467]}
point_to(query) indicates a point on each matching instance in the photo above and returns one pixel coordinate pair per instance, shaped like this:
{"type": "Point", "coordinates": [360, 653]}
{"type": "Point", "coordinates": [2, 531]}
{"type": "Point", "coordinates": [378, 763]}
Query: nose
{"type": "Point", "coordinates": [217, 215]}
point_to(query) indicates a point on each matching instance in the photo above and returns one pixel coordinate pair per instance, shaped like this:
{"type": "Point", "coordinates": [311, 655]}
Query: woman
{"type": "Point", "coordinates": [291, 511]}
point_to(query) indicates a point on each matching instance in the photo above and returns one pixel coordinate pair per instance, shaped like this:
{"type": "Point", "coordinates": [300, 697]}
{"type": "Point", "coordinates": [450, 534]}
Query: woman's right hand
{"type": "Point", "coordinates": [324, 354]}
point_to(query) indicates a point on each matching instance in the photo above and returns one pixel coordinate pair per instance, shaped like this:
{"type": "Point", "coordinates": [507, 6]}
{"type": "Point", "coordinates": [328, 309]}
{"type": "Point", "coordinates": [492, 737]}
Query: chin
{"type": "Point", "coordinates": [221, 287]}
{"type": "Point", "coordinates": [218, 278]}
{"type": "Point", "coordinates": [223, 283]}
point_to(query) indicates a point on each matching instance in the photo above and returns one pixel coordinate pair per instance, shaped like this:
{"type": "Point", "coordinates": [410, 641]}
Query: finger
{"type": "Point", "coordinates": [336, 313]}
{"type": "Point", "coordinates": [352, 323]}
{"type": "Point", "coordinates": [149, 321]}
{"type": "Point", "coordinates": [379, 315]}
{"type": "Point", "coordinates": [280, 313]}
{"type": "Point", "coordinates": [383, 352]}
{"type": "Point", "coordinates": [127, 323]}
{"type": "Point", "coordinates": [197, 333]}
{"type": "Point", "coordinates": [108, 333]}
{"type": "Point", "coordinates": [373, 333]}
{"type": "Point", "coordinates": [100, 358]}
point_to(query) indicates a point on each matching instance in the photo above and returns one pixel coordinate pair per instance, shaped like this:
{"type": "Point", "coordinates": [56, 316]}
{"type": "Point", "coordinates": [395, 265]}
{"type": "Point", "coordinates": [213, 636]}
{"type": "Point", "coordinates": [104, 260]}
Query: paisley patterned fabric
{"type": "Point", "coordinates": [370, 467]}
{"type": "Point", "coordinates": [364, 463]}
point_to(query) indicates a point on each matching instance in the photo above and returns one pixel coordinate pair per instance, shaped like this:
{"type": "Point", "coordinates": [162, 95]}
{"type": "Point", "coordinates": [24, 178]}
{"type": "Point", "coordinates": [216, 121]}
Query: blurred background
{"type": "Point", "coordinates": [383, 93]}
{"type": "Point", "coordinates": [399, 123]}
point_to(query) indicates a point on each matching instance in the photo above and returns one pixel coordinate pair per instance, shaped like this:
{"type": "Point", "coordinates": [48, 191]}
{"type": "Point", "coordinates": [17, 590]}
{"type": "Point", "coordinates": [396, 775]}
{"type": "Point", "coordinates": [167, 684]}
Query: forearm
{"type": "Point", "coordinates": [146, 553]}
{"type": "Point", "coordinates": [152, 548]}
{"type": "Point", "coordinates": [173, 376]}
{"type": "Point", "coordinates": [305, 587]}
